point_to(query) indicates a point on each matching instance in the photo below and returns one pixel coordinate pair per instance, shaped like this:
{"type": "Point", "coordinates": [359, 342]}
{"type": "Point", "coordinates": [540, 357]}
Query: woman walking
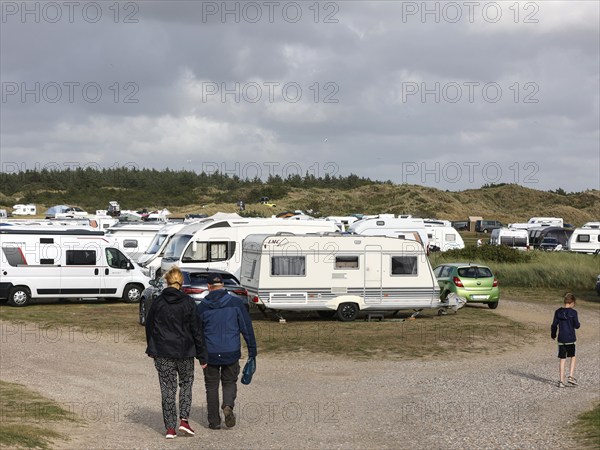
{"type": "Point", "coordinates": [174, 336]}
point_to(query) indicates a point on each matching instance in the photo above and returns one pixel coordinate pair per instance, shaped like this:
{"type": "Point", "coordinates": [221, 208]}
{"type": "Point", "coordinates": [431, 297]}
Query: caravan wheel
{"type": "Point", "coordinates": [19, 296]}
{"type": "Point", "coordinates": [347, 312]}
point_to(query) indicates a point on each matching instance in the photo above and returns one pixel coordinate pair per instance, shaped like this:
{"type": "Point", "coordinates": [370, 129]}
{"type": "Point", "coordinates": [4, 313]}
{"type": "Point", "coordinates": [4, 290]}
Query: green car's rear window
{"type": "Point", "coordinates": [474, 272]}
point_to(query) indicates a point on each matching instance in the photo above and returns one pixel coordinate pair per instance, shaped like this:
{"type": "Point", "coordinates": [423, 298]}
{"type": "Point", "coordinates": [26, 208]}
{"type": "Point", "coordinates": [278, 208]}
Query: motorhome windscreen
{"type": "Point", "coordinates": [404, 265]}
{"type": "Point", "coordinates": [175, 247]}
{"type": "Point", "coordinates": [288, 266]}
{"type": "Point", "coordinates": [156, 243]}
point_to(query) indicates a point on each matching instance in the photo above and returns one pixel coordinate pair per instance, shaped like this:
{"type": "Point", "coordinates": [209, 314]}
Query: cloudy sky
{"type": "Point", "coordinates": [452, 95]}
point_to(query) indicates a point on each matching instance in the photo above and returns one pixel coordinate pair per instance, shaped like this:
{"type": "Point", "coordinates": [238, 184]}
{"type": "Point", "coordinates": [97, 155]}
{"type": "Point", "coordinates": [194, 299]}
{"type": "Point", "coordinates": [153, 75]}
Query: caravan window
{"type": "Point", "coordinates": [130, 243]}
{"type": "Point", "coordinates": [81, 257]}
{"type": "Point", "coordinates": [513, 241]}
{"type": "Point", "coordinates": [209, 251]}
{"type": "Point", "coordinates": [404, 265]}
{"type": "Point", "coordinates": [346, 262]}
{"type": "Point", "coordinates": [289, 266]}
{"type": "Point", "coordinates": [583, 238]}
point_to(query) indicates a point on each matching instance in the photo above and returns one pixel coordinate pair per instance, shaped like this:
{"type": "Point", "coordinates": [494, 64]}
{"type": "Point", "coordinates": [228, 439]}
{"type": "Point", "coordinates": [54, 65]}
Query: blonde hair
{"type": "Point", "coordinates": [174, 277]}
{"type": "Point", "coordinates": [569, 298]}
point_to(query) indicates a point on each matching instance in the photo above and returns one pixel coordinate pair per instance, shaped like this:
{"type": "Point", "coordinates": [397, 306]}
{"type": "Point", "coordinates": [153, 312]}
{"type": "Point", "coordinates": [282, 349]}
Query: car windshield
{"type": "Point", "coordinates": [474, 272]}
{"type": "Point", "coordinates": [201, 279]}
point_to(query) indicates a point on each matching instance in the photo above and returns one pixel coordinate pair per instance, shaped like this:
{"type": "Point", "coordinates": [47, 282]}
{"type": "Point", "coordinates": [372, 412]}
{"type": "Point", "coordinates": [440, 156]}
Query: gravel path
{"type": "Point", "coordinates": [503, 401]}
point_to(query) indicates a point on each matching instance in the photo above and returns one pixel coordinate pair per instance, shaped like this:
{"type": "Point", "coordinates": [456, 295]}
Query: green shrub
{"type": "Point", "coordinates": [489, 253]}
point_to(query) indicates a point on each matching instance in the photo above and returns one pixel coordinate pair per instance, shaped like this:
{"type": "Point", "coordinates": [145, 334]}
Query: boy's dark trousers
{"type": "Point", "coordinates": [227, 375]}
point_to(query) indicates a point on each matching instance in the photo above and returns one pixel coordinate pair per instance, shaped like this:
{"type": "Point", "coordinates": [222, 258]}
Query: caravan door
{"type": "Point", "coordinates": [372, 272]}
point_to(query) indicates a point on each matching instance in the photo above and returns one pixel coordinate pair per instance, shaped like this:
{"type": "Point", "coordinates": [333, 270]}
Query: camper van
{"type": "Point", "coordinates": [338, 275]}
{"type": "Point", "coordinates": [511, 237]}
{"type": "Point", "coordinates": [133, 238]}
{"type": "Point", "coordinates": [152, 257]}
{"type": "Point", "coordinates": [388, 225]}
{"type": "Point", "coordinates": [217, 244]}
{"type": "Point", "coordinates": [24, 210]}
{"type": "Point", "coordinates": [54, 262]}
{"type": "Point", "coordinates": [585, 239]}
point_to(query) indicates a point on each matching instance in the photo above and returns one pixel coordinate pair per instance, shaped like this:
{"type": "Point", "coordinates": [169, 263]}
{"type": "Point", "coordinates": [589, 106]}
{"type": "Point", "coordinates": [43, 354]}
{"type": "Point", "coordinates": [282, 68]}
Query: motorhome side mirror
{"type": "Point", "coordinates": [129, 265]}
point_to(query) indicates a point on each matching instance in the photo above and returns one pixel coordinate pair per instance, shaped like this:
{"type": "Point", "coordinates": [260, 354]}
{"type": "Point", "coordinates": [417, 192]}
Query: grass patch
{"type": "Point", "coordinates": [19, 405]}
{"type": "Point", "coordinates": [587, 428]}
{"type": "Point", "coordinates": [585, 299]}
{"type": "Point", "coordinates": [474, 329]}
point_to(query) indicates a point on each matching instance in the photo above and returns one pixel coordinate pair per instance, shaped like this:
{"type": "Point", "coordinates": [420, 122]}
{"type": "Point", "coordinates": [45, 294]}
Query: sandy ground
{"type": "Point", "coordinates": [508, 400]}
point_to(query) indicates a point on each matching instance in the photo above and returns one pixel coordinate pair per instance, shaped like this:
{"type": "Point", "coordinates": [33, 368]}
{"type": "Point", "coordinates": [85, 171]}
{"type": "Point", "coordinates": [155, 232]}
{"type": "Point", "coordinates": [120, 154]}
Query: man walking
{"type": "Point", "coordinates": [224, 318]}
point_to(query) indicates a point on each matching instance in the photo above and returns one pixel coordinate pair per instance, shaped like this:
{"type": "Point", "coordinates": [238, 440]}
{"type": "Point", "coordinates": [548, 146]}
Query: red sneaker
{"type": "Point", "coordinates": [171, 433]}
{"type": "Point", "coordinates": [185, 427]}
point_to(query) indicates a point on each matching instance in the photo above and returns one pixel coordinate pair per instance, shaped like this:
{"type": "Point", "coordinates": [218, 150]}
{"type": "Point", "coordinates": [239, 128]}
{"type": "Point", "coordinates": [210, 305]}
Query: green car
{"type": "Point", "coordinates": [474, 282]}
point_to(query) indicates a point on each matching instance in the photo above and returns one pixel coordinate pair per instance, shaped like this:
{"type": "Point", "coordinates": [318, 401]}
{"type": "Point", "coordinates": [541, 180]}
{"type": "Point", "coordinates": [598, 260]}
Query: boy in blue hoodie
{"type": "Point", "coordinates": [224, 317]}
{"type": "Point", "coordinates": [566, 322]}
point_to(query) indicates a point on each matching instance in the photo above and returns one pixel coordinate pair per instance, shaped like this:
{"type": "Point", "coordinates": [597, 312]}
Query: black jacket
{"type": "Point", "coordinates": [565, 322]}
{"type": "Point", "coordinates": [173, 329]}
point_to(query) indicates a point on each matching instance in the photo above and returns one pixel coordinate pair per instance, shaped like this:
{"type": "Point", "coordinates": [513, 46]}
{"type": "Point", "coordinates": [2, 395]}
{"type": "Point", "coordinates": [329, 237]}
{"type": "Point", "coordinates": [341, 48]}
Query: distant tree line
{"type": "Point", "coordinates": [93, 189]}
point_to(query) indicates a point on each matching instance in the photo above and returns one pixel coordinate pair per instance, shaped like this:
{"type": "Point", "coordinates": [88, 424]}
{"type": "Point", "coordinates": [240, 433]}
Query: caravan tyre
{"type": "Point", "coordinates": [347, 312]}
{"type": "Point", "coordinates": [132, 293]}
{"type": "Point", "coordinates": [19, 296]}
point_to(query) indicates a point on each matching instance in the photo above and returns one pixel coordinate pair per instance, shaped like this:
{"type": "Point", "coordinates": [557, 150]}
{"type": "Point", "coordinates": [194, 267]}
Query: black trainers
{"type": "Point", "coordinates": [229, 416]}
{"type": "Point", "coordinates": [214, 427]}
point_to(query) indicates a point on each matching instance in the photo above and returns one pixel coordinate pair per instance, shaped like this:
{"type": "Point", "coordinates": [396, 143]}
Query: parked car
{"type": "Point", "coordinates": [598, 285]}
{"type": "Point", "coordinates": [474, 282]}
{"type": "Point", "coordinates": [485, 226]}
{"type": "Point", "coordinates": [195, 285]}
{"type": "Point", "coordinates": [549, 244]}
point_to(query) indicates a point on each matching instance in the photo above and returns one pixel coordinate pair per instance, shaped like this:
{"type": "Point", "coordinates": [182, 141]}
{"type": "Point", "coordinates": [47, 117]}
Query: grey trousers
{"type": "Point", "coordinates": [213, 376]}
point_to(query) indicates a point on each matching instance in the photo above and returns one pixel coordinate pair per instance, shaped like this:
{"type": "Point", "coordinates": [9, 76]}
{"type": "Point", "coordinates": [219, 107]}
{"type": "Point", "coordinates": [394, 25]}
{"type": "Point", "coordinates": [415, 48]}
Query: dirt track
{"type": "Point", "coordinates": [504, 401]}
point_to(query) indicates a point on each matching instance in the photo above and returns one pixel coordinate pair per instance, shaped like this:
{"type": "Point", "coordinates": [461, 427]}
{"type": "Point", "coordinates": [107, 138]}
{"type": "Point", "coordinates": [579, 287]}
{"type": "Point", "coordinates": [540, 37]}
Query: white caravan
{"type": "Point", "coordinates": [54, 262]}
{"type": "Point", "coordinates": [443, 238]}
{"type": "Point", "coordinates": [133, 238]}
{"type": "Point", "coordinates": [339, 274]}
{"type": "Point", "coordinates": [511, 237]}
{"type": "Point", "coordinates": [152, 257]}
{"type": "Point", "coordinates": [24, 210]}
{"type": "Point", "coordinates": [585, 239]}
{"type": "Point", "coordinates": [387, 225]}
{"type": "Point", "coordinates": [217, 244]}
{"type": "Point", "coordinates": [547, 221]}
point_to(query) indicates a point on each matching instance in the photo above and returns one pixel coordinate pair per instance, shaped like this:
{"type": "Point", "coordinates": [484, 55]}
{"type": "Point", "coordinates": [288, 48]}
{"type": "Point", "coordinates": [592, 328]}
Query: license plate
{"type": "Point", "coordinates": [480, 297]}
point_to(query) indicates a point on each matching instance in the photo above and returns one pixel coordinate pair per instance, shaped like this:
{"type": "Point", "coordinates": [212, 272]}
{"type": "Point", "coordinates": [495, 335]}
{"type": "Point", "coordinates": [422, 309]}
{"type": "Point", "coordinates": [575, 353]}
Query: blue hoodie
{"type": "Point", "coordinates": [566, 321]}
{"type": "Point", "coordinates": [224, 317]}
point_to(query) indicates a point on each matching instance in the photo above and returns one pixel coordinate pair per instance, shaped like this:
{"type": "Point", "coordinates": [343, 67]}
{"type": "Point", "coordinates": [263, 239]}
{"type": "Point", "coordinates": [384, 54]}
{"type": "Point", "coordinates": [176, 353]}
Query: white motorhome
{"type": "Point", "coordinates": [387, 225]}
{"type": "Point", "coordinates": [585, 239]}
{"type": "Point", "coordinates": [24, 210]}
{"type": "Point", "coordinates": [133, 238]}
{"type": "Point", "coordinates": [152, 257]}
{"type": "Point", "coordinates": [56, 262]}
{"type": "Point", "coordinates": [338, 274]}
{"type": "Point", "coordinates": [217, 244]}
{"type": "Point", "coordinates": [342, 222]}
{"type": "Point", "coordinates": [511, 237]}
{"type": "Point", "coordinates": [541, 221]}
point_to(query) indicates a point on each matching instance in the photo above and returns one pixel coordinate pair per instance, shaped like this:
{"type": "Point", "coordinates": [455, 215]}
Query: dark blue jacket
{"type": "Point", "coordinates": [566, 321]}
{"type": "Point", "coordinates": [224, 317]}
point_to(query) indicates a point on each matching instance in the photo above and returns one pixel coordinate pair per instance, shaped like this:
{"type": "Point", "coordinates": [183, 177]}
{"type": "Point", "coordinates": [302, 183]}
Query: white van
{"type": "Point", "coordinates": [338, 274]}
{"type": "Point", "coordinates": [133, 238]}
{"type": "Point", "coordinates": [511, 237]}
{"type": "Point", "coordinates": [585, 240]}
{"type": "Point", "coordinates": [152, 257]}
{"type": "Point", "coordinates": [51, 262]}
{"type": "Point", "coordinates": [24, 210]}
{"type": "Point", "coordinates": [217, 244]}
{"type": "Point", "coordinates": [387, 225]}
